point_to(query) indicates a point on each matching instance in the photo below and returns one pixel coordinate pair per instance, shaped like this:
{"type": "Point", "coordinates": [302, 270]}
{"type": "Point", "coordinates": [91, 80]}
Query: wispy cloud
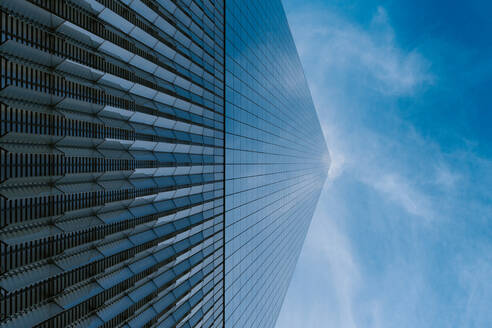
{"type": "Point", "coordinates": [333, 252]}
{"type": "Point", "coordinates": [373, 52]}
{"type": "Point", "coordinates": [475, 275]}
{"type": "Point", "coordinates": [328, 263]}
{"type": "Point", "coordinates": [344, 49]}
{"type": "Point", "coordinates": [368, 158]}
{"type": "Point", "coordinates": [337, 155]}
{"type": "Point", "coordinates": [401, 191]}
{"type": "Point", "coordinates": [343, 52]}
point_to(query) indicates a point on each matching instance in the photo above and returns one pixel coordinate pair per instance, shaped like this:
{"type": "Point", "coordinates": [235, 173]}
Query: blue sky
{"type": "Point", "coordinates": [402, 236]}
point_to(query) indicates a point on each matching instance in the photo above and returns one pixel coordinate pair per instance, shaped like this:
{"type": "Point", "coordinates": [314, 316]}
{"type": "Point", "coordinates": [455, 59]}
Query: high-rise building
{"type": "Point", "coordinates": [274, 159]}
{"type": "Point", "coordinates": [160, 162]}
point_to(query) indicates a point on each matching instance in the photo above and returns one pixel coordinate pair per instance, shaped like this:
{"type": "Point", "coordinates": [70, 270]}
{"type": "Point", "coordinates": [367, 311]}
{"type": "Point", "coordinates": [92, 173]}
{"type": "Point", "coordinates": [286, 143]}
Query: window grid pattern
{"type": "Point", "coordinates": [111, 163]}
{"type": "Point", "coordinates": [276, 161]}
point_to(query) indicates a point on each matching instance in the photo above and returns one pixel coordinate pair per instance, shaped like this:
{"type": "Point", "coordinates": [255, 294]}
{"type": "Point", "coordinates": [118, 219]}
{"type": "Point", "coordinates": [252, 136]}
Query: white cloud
{"type": "Point", "coordinates": [330, 267]}
{"type": "Point", "coordinates": [373, 52]}
{"type": "Point", "coordinates": [445, 177]}
{"type": "Point", "coordinates": [333, 252]}
{"type": "Point", "coordinates": [339, 49]}
{"type": "Point", "coordinates": [475, 275]}
{"type": "Point", "coordinates": [381, 18]}
{"type": "Point", "coordinates": [398, 189]}
{"type": "Point", "coordinates": [365, 158]}
{"type": "Point", "coordinates": [337, 156]}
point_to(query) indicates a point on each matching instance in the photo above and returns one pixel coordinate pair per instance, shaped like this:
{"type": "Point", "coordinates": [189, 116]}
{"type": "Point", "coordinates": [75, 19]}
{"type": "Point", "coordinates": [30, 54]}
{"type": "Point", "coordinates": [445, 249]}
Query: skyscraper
{"type": "Point", "coordinates": [160, 162]}
{"type": "Point", "coordinates": [274, 161]}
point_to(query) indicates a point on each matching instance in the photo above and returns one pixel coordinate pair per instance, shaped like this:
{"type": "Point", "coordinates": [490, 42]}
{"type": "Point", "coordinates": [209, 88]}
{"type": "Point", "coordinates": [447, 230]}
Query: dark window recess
{"type": "Point", "coordinates": [19, 255]}
{"type": "Point", "coordinates": [22, 121]}
{"type": "Point", "coordinates": [14, 74]}
{"type": "Point", "coordinates": [14, 302]}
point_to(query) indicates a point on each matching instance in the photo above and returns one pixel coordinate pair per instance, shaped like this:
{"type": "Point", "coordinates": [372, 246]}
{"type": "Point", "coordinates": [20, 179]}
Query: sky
{"type": "Point", "coordinates": [402, 236]}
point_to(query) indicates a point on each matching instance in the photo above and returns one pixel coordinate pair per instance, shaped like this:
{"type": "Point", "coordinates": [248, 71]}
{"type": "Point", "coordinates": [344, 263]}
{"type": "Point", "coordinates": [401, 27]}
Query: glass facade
{"type": "Point", "coordinates": [160, 162]}
{"type": "Point", "coordinates": [275, 161]}
{"type": "Point", "coordinates": [112, 163]}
